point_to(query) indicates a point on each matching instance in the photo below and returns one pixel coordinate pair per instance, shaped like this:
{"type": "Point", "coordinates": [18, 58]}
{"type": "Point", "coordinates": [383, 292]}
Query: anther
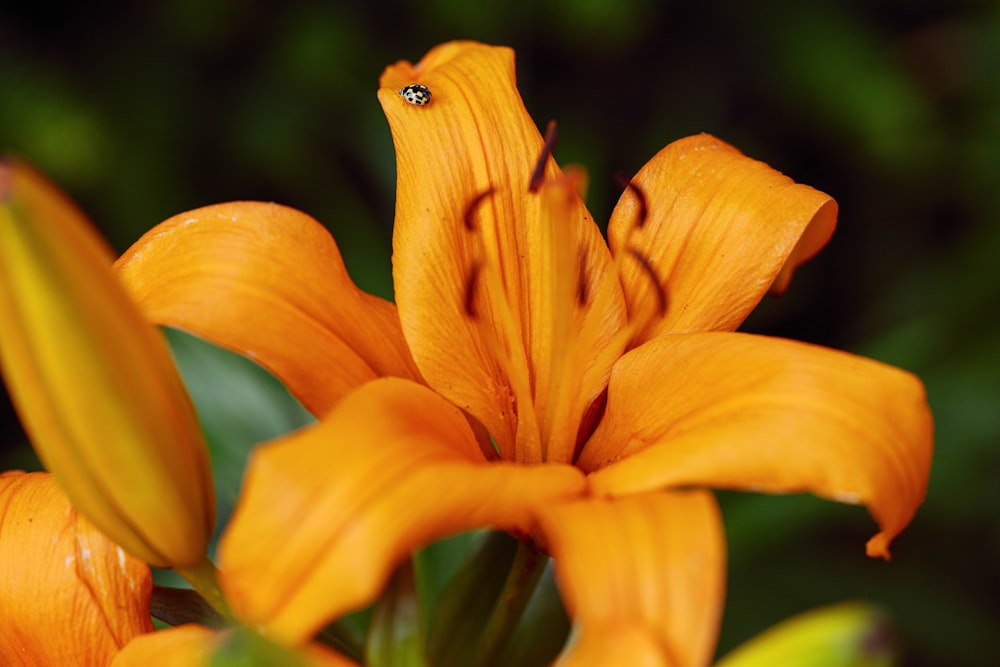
{"type": "Point", "coordinates": [581, 280]}
{"type": "Point", "coordinates": [647, 266]}
{"type": "Point", "coordinates": [589, 421]}
{"type": "Point", "coordinates": [469, 219]}
{"type": "Point", "coordinates": [640, 197]}
{"type": "Point", "coordinates": [471, 282]}
{"type": "Point", "coordinates": [538, 176]}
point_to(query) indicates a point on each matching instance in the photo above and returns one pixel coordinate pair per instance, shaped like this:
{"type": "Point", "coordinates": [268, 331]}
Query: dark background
{"type": "Point", "coordinates": [144, 110]}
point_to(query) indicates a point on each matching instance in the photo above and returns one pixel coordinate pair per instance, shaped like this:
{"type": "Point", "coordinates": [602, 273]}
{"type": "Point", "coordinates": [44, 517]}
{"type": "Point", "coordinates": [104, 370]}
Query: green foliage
{"type": "Point", "coordinates": [239, 405]}
{"type": "Point", "coordinates": [395, 633]}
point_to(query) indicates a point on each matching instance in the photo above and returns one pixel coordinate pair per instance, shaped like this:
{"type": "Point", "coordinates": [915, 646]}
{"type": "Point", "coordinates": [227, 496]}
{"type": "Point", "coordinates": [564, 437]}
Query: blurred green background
{"type": "Point", "coordinates": [144, 110]}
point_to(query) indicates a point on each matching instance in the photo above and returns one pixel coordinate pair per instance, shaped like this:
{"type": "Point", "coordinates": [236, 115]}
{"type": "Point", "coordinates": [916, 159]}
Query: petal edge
{"type": "Point", "coordinates": [757, 413]}
{"type": "Point", "coordinates": [268, 282]}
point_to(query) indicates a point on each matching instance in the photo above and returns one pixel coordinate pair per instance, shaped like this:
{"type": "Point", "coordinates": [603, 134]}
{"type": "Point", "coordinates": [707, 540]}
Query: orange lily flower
{"type": "Point", "coordinates": [70, 596]}
{"type": "Point", "coordinates": [539, 380]}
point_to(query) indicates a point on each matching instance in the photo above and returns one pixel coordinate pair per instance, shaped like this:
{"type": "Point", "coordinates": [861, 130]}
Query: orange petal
{"type": "Point", "coordinates": [69, 595]}
{"type": "Point", "coordinates": [750, 412]}
{"type": "Point", "coordinates": [327, 512]}
{"type": "Point", "coordinates": [196, 645]}
{"type": "Point", "coordinates": [722, 229]}
{"type": "Point", "coordinates": [182, 646]}
{"type": "Point", "coordinates": [648, 568]}
{"type": "Point", "coordinates": [486, 271]}
{"type": "Point", "coordinates": [94, 383]}
{"type": "Point", "coordinates": [610, 644]}
{"type": "Point", "coordinates": [268, 282]}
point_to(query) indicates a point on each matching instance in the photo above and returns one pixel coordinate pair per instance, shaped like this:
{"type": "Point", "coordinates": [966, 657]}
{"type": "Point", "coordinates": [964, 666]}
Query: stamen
{"type": "Point", "coordinates": [538, 175]}
{"type": "Point", "coordinates": [589, 421]}
{"type": "Point", "coordinates": [507, 348]}
{"type": "Point", "coordinates": [581, 279]}
{"type": "Point", "coordinates": [647, 266]}
{"type": "Point", "coordinates": [471, 282]}
{"type": "Point", "coordinates": [627, 184]}
{"type": "Point", "coordinates": [638, 319]}
{"type": "Point", "coordinates": [638, 316]}
{"type": "Point", "coordinates": [485, 303]}
{"type": "Point", "coordinates": [469, 219]}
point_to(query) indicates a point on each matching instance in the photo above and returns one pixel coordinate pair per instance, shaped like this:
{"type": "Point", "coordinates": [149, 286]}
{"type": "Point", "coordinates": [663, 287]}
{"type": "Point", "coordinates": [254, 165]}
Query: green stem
{"type": "Point", "coordinates": [341, 637]}
{"type": "Point", "coordinates": [203, 577]}
{"type": "Point", "coordinates": [523, 577]}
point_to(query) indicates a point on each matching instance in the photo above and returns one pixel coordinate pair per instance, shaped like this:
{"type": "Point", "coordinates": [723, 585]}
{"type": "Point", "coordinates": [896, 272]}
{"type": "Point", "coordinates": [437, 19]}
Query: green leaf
{"type": "Point", "coordinates": [485, 602]}
{"type": "Point", "coordinates": [394, 635]}
{"type": "Point", "coordinates": [543, 629]}
{"type": "Point", "coordinates": [468, 601]}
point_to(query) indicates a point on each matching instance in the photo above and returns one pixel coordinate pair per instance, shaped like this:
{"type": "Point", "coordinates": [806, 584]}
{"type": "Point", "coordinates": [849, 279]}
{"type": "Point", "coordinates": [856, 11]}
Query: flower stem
{"type": "Point", "coordinates": [203, 577]}
{"type": "Point", "coordinates": [341, 636]}
{"type": "Point", "coordinates": [523, 577]}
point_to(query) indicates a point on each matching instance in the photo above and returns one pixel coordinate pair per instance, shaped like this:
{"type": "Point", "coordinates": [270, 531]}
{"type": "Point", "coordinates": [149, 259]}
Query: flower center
{"type": "Point", "coordinates": [555, 348]}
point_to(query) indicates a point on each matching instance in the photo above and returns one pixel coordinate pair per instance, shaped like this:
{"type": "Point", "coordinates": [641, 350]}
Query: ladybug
{"type": "Point", "coordinates": [416, 93]}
